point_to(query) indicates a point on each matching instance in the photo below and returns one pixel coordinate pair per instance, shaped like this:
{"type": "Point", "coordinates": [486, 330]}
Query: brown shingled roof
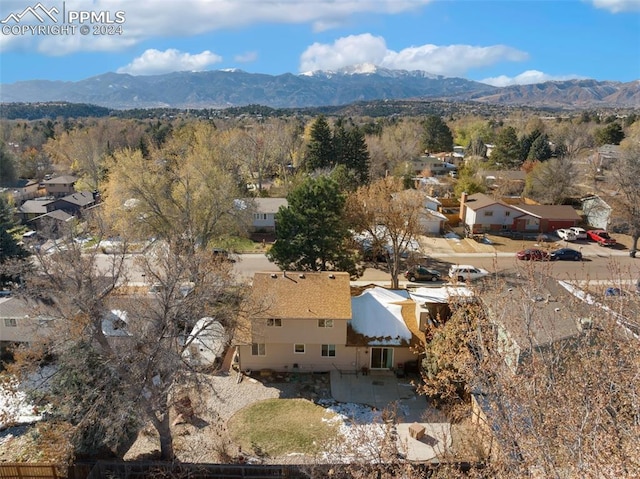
{"type": "Point", "coordinates": [303, 295]}
{"type": "Point", "coordinates": [551, 212]}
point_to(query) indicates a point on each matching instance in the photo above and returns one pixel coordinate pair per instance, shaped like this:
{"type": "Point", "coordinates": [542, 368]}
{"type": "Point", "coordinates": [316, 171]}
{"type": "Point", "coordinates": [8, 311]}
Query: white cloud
{"type": "Point", "coordinates": [617, 6]}
{"type": "Point", "coordinates": [193, 17]}
{"type": "Point", "coordinates": [155, 62]}
{"type": "Point", "coordinates": [246, 57]}
{"type": "Point", "coordinates": [449, 60]}
{"type": "Point", "coordinates": [527, 78]}
{"type": "Point", "coordinates": [344, 52]}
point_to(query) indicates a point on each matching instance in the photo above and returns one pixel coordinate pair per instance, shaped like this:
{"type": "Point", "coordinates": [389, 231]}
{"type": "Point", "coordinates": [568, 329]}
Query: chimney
{"type": "Point", "coordinates": [463, 200]}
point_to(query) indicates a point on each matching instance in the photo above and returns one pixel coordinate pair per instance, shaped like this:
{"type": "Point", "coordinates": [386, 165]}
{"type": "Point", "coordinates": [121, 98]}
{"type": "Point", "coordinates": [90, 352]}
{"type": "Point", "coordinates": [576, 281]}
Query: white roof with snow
{"type": "Point", "coordinates": [378, 316]}
{"type": "Point", "coordinates": [439, 295]}
{"type": "Point", "coordinates": [115, 323]}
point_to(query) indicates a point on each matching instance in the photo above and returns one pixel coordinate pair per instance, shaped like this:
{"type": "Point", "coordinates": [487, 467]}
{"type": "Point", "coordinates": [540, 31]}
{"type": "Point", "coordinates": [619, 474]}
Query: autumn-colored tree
{"type": "Point", "coordinates": [391, 216]}
{"type": "Point", "coordinates": [84, 149]}
{"type": "Point", "coordinates": [551, 182]}
{"type": "Point", "coordinates": [398, 143]}
{"type": "Point", "coordinates": [625, 174]}
{"type": "Point", "coordinates": [189, 185]}
{"type": "Point", "coordinates": [556, 404]}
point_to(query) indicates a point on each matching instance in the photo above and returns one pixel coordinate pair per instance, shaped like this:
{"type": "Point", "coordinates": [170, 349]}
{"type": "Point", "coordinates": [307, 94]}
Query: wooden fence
{"type": "Point", "coordinates": [24, 470]}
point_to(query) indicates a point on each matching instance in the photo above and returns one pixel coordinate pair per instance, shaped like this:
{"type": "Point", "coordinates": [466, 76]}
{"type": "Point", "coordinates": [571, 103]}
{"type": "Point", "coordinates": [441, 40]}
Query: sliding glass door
{"type": "Point", "coordinates": [381, 358]}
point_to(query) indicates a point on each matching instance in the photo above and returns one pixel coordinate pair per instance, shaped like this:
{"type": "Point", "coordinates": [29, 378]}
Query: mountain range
{"type": "Point", "coordinates": [228, 88]}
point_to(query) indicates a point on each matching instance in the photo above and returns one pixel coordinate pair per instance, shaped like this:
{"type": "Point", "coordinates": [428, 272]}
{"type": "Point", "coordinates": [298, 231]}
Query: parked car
{"type": "Point", "coordinates": [614, 292]}
{"type": "Point", "coordinates": [566, 234]}
{"type": "Point", "coordinates": [466, 272]}
{"type": "Point", "coordinates": [566, 254]}
{"type": "Point", "coordinates": [580, 233]}
{"type": "Point", "coordinates": [223, 255]}
{"type": "Point", "coordinates": [532, 254]}
{"type": "Point", "coordinates": [422, 273]}
{"type": "Point", "coordinates": [601, 237]}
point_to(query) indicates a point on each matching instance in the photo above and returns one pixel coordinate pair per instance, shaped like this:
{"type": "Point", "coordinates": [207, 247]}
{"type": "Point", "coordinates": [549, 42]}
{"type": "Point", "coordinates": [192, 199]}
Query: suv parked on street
{"type": "Point", "coordinates": [422, 273]}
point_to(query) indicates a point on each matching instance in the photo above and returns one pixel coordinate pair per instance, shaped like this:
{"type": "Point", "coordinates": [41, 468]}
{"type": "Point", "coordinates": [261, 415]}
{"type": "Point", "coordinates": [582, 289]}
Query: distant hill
{"type": "Point", "coordinates": [230, 88]}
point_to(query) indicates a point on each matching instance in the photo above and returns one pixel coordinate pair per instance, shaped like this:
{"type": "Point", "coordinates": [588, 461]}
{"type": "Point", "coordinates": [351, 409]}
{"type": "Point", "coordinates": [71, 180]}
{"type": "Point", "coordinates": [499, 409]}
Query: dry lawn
{"type": "Point", "coordinates": [283, 426]}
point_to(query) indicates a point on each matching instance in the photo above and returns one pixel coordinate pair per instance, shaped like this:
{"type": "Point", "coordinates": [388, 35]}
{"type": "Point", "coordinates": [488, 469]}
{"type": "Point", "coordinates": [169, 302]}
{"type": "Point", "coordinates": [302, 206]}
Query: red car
{"type": "Point", "coordinates": [601, 237]}
{"type": "Point", "coordinates": [532, 254]}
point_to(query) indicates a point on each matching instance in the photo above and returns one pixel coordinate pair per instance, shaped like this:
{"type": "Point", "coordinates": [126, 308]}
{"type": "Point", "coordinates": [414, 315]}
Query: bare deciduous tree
{"type": "Point", "coordinates": [119, 352]}
{"type": "Point", "coordinates": [391, 216]}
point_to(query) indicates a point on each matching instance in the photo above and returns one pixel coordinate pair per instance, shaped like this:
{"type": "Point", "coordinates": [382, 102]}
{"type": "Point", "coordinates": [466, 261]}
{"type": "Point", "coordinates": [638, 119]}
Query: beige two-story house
{"type": "Point", "coordinates": [314, 322]}
{"type": "Point", "coordinates": [299, 322]}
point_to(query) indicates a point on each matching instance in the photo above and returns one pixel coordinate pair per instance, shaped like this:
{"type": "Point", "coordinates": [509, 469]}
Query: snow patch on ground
{"type": "Point", "coordinates": [15, 408]}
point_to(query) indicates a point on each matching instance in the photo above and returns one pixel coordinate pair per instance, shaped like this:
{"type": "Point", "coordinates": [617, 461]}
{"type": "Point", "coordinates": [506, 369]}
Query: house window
{"type": "Point", "coordinates": [274, 322]}
{"type": "Point", "coordinates": [507, 213]}
{"type": "Point", "coordinates": [10, 322]}
{"type": "Point", "coordinates": [488, 213]}
{"type": "Point", "coordinates": [258, 349]}
{"type": "Point", "coordinates": [264, 216]}
{"type": "Point", "coordinates": [328, 350]}
{"type": "Point", "coordinates": [325, 323]}
{"type": "Point", "coordinates": [298, 348]}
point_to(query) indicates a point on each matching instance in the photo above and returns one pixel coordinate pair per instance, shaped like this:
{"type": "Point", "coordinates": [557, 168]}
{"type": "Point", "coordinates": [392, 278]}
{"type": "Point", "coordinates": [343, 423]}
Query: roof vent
{"type": "Point", "coordinates": [332, 276]}
{"type": "Point", "coordinates": [273, 275]}
{"type": "Point", "coordinates": [301, 275]}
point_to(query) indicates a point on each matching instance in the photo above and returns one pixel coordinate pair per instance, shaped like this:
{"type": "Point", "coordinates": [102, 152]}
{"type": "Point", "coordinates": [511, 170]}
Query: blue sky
{"type": "Point", "coordinates": [498, 42]}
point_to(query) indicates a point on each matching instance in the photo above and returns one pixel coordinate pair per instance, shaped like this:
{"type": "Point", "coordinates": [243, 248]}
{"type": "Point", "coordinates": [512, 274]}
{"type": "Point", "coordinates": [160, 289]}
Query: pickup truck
{"type": "Point", "coordinates": [601, 237]}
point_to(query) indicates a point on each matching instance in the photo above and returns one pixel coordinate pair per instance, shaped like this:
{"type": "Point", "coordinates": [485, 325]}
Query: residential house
{"type": "Point", "coordinates": [43, 210]}
{"type": "Point", "coordinates": [510, 182]}
{"type": "Point", "coordinates": [432, 221]}
{"type": "Point", "coordinates": [596, 211]}
{"type": "Point", "coordinates": [21, 190]}
{"type": "Point", "coordinates": [21, 321]}
{"type": "Point", "coordinates": [31, 209]}
{"type": "Point", "coordinates": [532, 316]}
{"type": "Point", "coordinates": [310, 322]}
{"type": "Point", "coordinates": [300, 322]}
{"type": "Point", "coordinates": [74, 203]}
{"type": "Point", "coordinates": [60, 185]}
{"type": "Point", "coordinates": [481, 213]}
{"type": "Point", "coordinates": [606, 155]}
{"type": "Point", "coordinates": [545, 218]}
{"type": "Point", "coordinates": [435, 166]}
{"type": "Point", "coordinates": [264, 216]}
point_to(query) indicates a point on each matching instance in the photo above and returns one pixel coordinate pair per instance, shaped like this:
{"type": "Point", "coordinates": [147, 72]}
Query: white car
{"type": "Point", "coordinates": [580, 233]}
{"type": "Point", "coordinates": [567, 234]}
{"type": "Point", "coordinates": [466, 272]}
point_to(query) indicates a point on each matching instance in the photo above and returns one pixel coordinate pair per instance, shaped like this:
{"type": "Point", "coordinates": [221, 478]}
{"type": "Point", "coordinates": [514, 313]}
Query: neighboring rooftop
{"type": "Point", "coordinates": [535, 310]}
{"type": "Point", "coordinates": [61, 180]}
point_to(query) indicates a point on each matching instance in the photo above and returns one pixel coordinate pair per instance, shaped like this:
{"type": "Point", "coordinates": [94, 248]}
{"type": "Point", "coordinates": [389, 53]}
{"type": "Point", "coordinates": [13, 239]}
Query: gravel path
{"type": "Point", "coordinates": [206, 439]}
